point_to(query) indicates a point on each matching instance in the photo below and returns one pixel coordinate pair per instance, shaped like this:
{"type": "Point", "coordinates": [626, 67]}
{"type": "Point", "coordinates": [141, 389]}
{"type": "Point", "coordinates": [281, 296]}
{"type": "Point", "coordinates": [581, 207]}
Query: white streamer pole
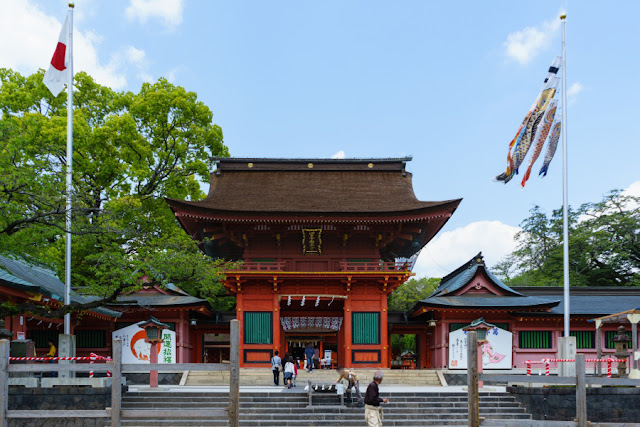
{"type": "Point", "coordinates": [565, 187]}
{"type": "Point", "coordinates": [67, 263]}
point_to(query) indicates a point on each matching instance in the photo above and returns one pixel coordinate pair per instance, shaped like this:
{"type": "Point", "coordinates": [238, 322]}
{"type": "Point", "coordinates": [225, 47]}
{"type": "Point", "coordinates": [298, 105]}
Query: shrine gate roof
{"type": "Point", "coordinates": [313, 186]}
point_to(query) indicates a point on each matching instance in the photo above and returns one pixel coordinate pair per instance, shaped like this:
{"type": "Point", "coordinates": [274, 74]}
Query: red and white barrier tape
{"type": "Point", "coordinates": [547, 363]}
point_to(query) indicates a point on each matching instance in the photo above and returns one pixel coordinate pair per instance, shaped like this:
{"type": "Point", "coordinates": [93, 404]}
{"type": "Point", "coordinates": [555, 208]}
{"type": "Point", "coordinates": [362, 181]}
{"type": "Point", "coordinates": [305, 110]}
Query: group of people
{"type": "Point", "coordinates": [289, 367]}
{"type": "Point", "coordinates": [371, 400]}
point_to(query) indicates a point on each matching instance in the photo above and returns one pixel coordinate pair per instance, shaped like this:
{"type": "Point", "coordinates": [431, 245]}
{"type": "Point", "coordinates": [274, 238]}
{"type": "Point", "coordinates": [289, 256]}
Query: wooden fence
{"type": "Point", "coordinates": [115, 412]}
{"type": "Point", "coordinates": [581, 381]}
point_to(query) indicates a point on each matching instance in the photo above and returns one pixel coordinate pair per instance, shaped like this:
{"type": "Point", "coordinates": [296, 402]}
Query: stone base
{"type": "Point", "coordinates": [604, 404]}
{"type": "Point", "coordinates": [24, 382]}
{"type": "Point", "coordinates": [87, 382]}
{"type": "Point", "coordinates": [567, 350]}
{"type": "Point", "coordinates": [634, 374]}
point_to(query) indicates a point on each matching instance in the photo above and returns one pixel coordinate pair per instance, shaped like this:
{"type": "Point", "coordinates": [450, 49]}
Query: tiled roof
{"type": "Point", "coordinates": [597, 305]}
{"type": "Point", "coordinates": [498, 302]}
{"type": "Point", "coordinates": [330, 186]}
{"type": "Point", "coordinates": [463, 274]}
{"type": "Point", "coordinates": [160, 300]}
{"type": "Point", "coordinates": [33, 278]}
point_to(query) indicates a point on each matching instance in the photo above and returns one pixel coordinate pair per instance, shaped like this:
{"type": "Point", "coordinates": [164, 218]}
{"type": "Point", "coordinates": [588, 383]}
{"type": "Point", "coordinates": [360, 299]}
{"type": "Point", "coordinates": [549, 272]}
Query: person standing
{"type": "Point", "coordinates": [289, 370]}
{"type": "Point", "coordinates": [309, 353]}
{"type": "Point", "coordinates": [373, 411]}
{"type": "Point", "coordinates": [352, 380]}
{"type": "Point", "coordinates": [276, 365]}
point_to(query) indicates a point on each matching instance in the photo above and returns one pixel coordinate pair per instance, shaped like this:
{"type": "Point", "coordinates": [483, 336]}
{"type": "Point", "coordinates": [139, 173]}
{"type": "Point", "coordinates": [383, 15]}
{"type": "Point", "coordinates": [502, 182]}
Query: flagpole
{"type": "Point", "coordinates": [565, 187]}
{"type": "Point", "coordinates": [67, 293]}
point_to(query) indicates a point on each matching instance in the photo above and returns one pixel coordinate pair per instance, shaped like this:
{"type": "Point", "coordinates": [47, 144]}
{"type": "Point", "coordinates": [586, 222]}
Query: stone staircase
{"type": "Point", "coordinates": [289, 408]}
{"type": "Point", "coordinates": [264, 377]}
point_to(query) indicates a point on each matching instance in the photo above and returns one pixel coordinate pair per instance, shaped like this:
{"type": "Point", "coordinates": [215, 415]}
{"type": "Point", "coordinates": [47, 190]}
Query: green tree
{"type": "Point", "coordinates": [131, 150]}
{"type": "Point", "coordinates": [410, 292]}
{"type": "Point", "coordinates": [604, 246]}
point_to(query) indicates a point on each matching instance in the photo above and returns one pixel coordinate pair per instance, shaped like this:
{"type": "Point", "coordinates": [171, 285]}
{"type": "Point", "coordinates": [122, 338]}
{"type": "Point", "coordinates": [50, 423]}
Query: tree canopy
{"type": "Point", "coordinates": [131, 150]}
{"type": "Point", "coordinates": [604, 246]}
{"type": "Point", "coordinates": [410, 292]}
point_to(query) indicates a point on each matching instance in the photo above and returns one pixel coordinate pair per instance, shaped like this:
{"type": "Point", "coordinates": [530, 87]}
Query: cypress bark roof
{"type": "Point", "coordinates": [308, 186]}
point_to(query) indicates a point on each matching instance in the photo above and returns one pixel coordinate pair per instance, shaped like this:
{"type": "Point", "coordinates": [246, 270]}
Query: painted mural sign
{"type": "Point", "coordinates": [496, 352]}
{"type": "Point", "coordinates": [136, 350]}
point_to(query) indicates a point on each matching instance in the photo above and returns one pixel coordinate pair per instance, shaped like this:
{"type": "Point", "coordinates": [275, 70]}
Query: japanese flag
{"type": "Point", "coordinates": [58, 73]}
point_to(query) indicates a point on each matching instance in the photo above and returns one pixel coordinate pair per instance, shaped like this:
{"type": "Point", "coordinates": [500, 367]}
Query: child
{"type": "Point", "coordinates": [289, 369]}
{"type": "Point", "coordinates": [295, 372]}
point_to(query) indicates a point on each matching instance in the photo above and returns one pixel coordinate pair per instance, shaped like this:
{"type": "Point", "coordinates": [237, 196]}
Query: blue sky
{"type": "Point", "coordinates": [445, 82]}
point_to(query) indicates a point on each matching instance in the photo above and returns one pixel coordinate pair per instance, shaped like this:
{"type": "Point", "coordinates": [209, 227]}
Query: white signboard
{"type": "Point", "coordinates": [496, 352]}
{"type": "Point", "coordinates": [136, 350]}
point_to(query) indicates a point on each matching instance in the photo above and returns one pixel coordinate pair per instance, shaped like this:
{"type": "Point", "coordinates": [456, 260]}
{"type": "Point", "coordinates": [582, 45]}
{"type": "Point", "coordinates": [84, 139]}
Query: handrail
{"type": "Point", "coordinates": [260, 266]}
{"type": "Point", "coordinates": [344, 266]}
{"type": "Point", "coordinates": [375, 266]}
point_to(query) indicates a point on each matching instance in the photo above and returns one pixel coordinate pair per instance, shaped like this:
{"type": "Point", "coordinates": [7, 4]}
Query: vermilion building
{"type": "Point", "coordinates": [323, 244]}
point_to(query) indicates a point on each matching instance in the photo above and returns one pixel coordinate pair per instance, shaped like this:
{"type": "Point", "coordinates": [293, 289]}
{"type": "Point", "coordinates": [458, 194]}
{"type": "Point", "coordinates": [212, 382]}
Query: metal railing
{"type": "Point", "coordinates": [115, 366]}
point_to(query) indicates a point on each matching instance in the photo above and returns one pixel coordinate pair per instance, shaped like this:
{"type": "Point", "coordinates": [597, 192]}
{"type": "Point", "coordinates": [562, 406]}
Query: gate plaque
{"type": "Point", "coordinates": [311, 241]}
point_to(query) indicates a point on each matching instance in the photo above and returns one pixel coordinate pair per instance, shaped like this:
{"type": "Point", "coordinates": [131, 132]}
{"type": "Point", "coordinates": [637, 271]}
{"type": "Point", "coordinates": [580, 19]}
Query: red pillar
{"type": "Point", "coordinates": [276, 323]}
{"type": "Point", "coordinates": [153, 358]}
{"type": "Point", "coordinates": [240, 317]}
{"type": "Point", "coordinates": [384, 331]}
{"type": "Point", "coordinates": [347, 332]}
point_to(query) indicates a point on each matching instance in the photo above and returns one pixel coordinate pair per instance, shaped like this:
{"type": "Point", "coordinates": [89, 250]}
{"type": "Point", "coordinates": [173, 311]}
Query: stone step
{"type": "Point", "coordinates": [388, 421]}
{"type": "Point", "coordinates": [264, 376]}
{"type": "Point", "coordinates": [302, 423]}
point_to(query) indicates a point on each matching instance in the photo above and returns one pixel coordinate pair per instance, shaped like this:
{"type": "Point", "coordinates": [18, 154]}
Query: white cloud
{"type": "Point", "coordinates": [573, 91]}
{"type": "Point", "coordinates": [339, 155]}
{"type": "Point", "coordinates": [634, 191]}
{"type": "Point", "coordinates": [526, 44]}
{"type": "Point", "coordinates": [34, 38]}
{"type": "Point", "coordinates": [171, 75]}
{"type": "Point", "coordinates": [135, 56]}
{"type": "Point", "coordinates": [167, 11]}
{"type": "Point", "coordinates": [450, 250]}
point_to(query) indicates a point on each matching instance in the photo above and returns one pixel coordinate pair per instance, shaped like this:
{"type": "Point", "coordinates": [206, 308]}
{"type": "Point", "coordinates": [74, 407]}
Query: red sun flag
{"type": "Point", "coordinates": [58, 73]}
{"type": "Point", "coordinates": [58, 57]}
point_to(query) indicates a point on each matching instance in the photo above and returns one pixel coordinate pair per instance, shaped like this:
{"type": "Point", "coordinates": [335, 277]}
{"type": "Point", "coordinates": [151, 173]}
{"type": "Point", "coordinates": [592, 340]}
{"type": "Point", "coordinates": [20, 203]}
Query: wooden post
{"type": "Point", "coordinates": [234, 377]}
{"type": "Point", "coordinates": [598, 367]}
{"type": "Point", "coordinates": [480, 383]}
{"type": "Point", "coordinates": [116, 387]}
{"type": "Point", "coordinates": [472, 379]}
{"type": "Point", "coordinates": [581, 391]}
{"type": "Point", "coordinates": [634, 345]}
{"type": "Point", "coordinates": [4, 381]}
{"type": "Point", "coordinates": [153, 358]}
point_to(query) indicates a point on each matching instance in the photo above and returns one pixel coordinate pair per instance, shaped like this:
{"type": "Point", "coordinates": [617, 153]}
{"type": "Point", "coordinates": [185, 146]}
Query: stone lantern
{"type": "Point", "coordinates": [621, 341]}
{"type": "Point", "coordinates": [153, 327]}
{"type": "Point", "coordinates": [5, 334]}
